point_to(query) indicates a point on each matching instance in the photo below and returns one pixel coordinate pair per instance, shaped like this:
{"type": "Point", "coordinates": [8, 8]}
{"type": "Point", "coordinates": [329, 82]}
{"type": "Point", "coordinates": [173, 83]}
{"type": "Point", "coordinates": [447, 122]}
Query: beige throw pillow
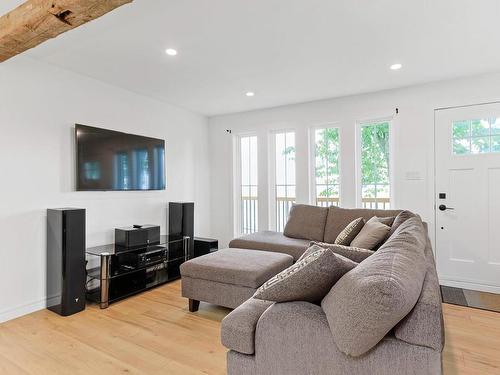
{"type": "Point", "coordinates": [313, 247]}
{"type": "Point", "coordinates": [310, 279]}
{"type": "Point", "coordinates": [355, 254]}
{"type": "Point", "coordinates": [385, 220]}
{"type": "Point", "coordinates": [372, 233]}
{"type": "Point", "coordinates": [350, 232]}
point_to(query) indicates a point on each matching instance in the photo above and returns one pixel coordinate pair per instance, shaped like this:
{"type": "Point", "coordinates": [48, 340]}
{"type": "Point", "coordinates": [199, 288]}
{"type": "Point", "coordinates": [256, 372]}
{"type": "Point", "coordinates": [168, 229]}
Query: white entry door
{"type": "Point", "coordinates": [468, 197]}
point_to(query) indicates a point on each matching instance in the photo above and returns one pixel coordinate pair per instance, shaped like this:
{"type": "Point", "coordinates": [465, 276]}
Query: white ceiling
{"type": "Point", "coordinates": [287, 51]}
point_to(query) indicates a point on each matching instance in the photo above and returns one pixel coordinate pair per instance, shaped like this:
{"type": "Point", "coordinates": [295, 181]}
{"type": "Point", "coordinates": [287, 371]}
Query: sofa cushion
{"type": "Point", "coordinates": [250, 268]}
{"type": "Point", "coordinates": [306, 222]}
{"type": "Point", "coordinates": [355, 254]}
{"type": "Point", "coordinates": [338, 218]}
{"type": "Point", "coordinates": [424, 324]}
{"type": "Point", "coordinates": [238, 327]}
{"type": "Point", "coordinates": [271, 241]}
{"type": "Point", "coordinates": [400, 219]}
{"type": "Point", "coordinates": [367, 302]}
{"type": "Point", "coordinates": [350, 232]}
{"type": "Point", "coordinates": [307, 280]}
{"type": "Point", "coordinates": [372, 234]}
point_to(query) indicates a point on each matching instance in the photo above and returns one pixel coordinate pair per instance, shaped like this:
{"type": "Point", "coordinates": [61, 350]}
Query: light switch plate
{"type": "Point", "coordinates": [413, 175]}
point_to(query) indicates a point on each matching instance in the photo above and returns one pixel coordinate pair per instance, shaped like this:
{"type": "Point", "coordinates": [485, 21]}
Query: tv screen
{"type": "Point", "coordinates": [111, 160]}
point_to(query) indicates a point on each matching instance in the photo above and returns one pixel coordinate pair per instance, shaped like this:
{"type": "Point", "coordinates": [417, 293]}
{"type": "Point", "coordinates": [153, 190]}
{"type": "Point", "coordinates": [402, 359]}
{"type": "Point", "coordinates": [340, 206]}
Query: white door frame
{"type": "Point", "coordinates": [456, 284]}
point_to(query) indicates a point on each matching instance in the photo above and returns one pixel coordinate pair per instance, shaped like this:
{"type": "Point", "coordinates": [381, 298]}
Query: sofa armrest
{"type": "Point", "coordinates": [424, 324]}
{"type": "Point", "coordinates": [294, 338]}
{"type": "Point", "coordinates": [238, 327]}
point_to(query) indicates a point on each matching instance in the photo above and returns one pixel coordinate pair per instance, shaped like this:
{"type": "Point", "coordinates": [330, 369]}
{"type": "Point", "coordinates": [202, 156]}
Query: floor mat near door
{"type": "Point", "coordinates": [471, 298]}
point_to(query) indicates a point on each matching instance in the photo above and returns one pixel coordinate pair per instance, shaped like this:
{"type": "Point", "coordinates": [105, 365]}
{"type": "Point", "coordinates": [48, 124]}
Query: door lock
{"type": "Point", "coordinates": [442, 207]}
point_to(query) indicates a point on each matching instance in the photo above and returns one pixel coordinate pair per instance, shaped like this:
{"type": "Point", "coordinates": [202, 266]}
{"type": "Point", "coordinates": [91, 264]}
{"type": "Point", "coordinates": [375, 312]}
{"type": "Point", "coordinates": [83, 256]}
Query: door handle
{"type": "Point", "coordinates": [442, 207]}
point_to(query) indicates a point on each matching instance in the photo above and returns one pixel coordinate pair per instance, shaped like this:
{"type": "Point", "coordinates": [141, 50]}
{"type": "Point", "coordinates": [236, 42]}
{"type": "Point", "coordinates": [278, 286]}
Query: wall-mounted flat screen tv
{"type": "Point", "coordinates": [111, 160]}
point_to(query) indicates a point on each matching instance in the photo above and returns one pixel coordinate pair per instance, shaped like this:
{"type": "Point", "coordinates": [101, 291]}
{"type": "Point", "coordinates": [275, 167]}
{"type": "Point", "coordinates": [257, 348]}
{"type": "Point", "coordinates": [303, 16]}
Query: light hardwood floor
{"type": "Point", "coordinates": [153, 333]}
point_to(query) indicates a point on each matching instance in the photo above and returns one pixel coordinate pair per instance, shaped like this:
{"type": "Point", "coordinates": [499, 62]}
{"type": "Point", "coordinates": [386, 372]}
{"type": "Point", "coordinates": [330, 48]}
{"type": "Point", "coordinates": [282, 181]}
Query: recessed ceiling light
{"type": "Point", "coordinates": [250, 94]}
{"type": "Point", "coordinates": [171, 52]}
{"type": "Point", "coordinates": [396, 66]}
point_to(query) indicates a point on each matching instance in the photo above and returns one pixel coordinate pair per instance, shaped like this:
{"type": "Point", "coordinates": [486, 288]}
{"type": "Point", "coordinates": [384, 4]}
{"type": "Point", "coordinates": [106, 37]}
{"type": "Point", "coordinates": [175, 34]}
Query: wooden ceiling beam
{"type": "Point", "coordinates": [37, 21]}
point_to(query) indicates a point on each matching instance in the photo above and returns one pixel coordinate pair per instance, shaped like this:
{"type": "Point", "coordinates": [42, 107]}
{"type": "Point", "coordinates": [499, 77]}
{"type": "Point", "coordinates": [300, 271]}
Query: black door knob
{"type": "Point", "coordinates": [443, 207]}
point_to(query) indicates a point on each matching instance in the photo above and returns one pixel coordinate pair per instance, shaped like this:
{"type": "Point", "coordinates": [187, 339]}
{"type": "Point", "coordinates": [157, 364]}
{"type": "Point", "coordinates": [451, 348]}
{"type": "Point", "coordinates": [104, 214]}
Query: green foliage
{"type": "Point", "coordinates": [374, 156]}
{"type": "Point", "coordinates": [327, 157]}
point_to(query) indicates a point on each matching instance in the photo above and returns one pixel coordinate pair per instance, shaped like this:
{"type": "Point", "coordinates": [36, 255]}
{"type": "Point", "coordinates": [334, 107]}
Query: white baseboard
{"type": "Point", "coordinates": [21, 310]}
{"type": "Point", "coordinates": [470, 286]}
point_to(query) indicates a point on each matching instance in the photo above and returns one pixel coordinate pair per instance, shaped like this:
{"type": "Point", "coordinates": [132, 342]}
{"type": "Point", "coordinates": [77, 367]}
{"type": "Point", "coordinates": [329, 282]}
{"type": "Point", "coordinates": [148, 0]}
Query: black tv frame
{"type": "Point", "coordinates": [77, 183]}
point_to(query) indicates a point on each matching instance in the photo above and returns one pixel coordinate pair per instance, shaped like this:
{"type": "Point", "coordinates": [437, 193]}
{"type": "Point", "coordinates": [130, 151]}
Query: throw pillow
{"type": "Point", "coordinates": [350, 232]}
{"type": "Point", "coordinates": [372, 233]}
{"type": "Point", "coordinates": [400, 219]}
{"type": "Point", "coordinates": [313, 247]}
{"type": "Point", "coordinates": [385, 220]}
{"type": "Point", "coordinates": [355, 254]}
{"type": "Point", "coordinates": [366, 303]}
{"type": "Point", "coordinates": [307, 280]}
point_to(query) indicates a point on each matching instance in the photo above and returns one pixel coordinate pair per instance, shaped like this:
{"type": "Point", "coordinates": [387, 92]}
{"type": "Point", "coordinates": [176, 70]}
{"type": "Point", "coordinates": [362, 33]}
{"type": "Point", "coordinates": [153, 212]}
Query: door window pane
{"type": "Point", "coordinates": [248, 185]}
{"type": "Point", "coordinates": [495, 143]}
{"type": "Point", "coordinates": [327, 173]}
{"type": "Point", "coordinates": [461, 146]}
{"type": "Point", "coordinates": [375, 172]}
{"type": "Point", "coordinates": [285, 176]}
{"type": "Point", "coordinates": [461, 129]}
{"type": "Point", "coordinates": [495, 126]}
{"type": "Point", "coordinates": [480, 127]}
{"type": "Point", "coordinates": [477, 136]}
{"type": "Point", "coordinates": [480, 145]}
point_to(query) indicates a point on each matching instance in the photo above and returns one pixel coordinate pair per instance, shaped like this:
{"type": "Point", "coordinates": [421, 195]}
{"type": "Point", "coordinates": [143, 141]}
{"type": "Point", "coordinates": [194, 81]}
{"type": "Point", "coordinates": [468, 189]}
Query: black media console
{"type": "Point", "coordinates": [115, 272]}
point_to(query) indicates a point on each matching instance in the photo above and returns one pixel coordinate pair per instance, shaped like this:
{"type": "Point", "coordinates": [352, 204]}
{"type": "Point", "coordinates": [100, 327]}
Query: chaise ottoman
{"type": "Point", "coordinates": [229, 277]}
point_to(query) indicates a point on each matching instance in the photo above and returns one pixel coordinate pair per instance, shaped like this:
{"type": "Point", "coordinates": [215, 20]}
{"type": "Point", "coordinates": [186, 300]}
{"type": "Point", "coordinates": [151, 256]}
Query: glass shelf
{"type": "Point", "coordinates": [114, 273]}
{"type": "Point", "coordinates": [112, 249]}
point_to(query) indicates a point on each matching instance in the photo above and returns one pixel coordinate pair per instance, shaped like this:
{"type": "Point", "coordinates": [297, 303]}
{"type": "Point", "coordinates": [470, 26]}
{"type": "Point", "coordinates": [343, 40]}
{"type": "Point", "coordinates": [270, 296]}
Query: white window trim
{"type": "Point", "coordinates": [272, 173]}
{"type": "Point", "coordinates": [237, 179]}
{"type": "Point", "coordinates": [312, 159]}
{"type": "Point", "coordinates": [359, 124]}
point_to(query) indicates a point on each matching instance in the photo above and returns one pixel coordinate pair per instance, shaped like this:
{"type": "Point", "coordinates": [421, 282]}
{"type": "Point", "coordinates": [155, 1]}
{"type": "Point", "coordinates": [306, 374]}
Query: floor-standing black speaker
{"type": "Point", "coordinates": [66, 275]}
{"type": "Point", "coordinates": [181, 222]}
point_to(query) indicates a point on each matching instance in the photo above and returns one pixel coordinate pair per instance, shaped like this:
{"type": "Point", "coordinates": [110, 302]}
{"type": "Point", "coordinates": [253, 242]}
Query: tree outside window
{"type": "Point", "coordinates": [327, 171]}
{"type": "Point", "coordinates": [375, 166]}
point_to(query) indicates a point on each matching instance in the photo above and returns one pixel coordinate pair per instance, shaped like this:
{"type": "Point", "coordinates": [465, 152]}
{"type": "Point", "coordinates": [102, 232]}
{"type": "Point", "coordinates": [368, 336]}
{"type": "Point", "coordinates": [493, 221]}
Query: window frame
{"type": "Point", "coordinates": [359, 187]}
{"type": "Point", "coordinates": [312, 159]}
{"type": "Point", "coordinates": [470, 137]}
{"type": "Point", "coordinates": [237, 179]}
{"type": "Point", "coordinates": [272, 173]}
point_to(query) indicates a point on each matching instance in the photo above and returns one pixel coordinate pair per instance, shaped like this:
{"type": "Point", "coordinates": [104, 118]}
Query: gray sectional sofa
{"type": "Point", "coordinates": [382, 317]}
{"type": "Point", "coordinates": [300, 338]}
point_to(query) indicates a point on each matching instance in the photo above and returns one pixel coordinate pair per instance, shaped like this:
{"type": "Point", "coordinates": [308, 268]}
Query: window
{"type": "Point", "coordinates": [92, 170]}
{"type": "Point", "coordinates": [326, 180]}
{"type": "Point", "coordinates": [477, 136]}
{"type": "Point", "coordinates": [284, 177]}
{"type": "Point", "coordinates": [248, 185]}
{"type": "Point", "coordinates": [159, 172]}
{"type": "Point", "coordinates": [375, 165]}
{"type": "Point", "coordinates": [140, 168]}
{"type": "Point", "coordinates": [121, 172]}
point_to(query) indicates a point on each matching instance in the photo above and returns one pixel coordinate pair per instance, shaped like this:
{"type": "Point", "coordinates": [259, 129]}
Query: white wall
{"type": "Point", "coordinates": [39, 105]}
{"type": "Point", "coordinates": [413, 131]}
